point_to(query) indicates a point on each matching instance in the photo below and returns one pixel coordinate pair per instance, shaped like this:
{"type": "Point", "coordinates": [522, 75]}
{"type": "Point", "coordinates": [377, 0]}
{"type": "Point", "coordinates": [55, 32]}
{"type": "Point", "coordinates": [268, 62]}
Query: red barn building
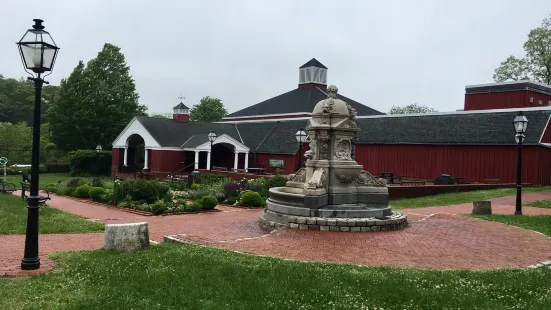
{"type": "Point", "coordinates": [475, 144]}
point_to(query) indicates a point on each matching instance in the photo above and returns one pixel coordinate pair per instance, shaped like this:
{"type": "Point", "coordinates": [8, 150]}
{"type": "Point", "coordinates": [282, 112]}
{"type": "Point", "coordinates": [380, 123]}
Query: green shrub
{"type": "Point", "coordinates": [51, 188]}
{"type": "Point", "coordinates": [232, 200]}
{"type": "Point", "coordinates": [96, 192]}
{"type": "Point", "coordinates": [108, 184]}
{"type": "Point", "coordinates": [65, 191]}
{"type": "Point", "coordinates": [123, 204]}
{"type": "Point", "coordinates": [177, 186]}
{"type": "Point", "coordinates": [198, 194]}
{"type": "Point", "coordinates": [208, 202]}
{"type": "Point", "coordinates": [107, 197]}
{"type": "Point", "coordinates": [89, 162]}
{"type": "Point", "coordinates": [251, 199]}
{"type": "Point", "coordinates": [119, 193]}
{"type": "Point", "coordinates": [168, 197]}
{"type": "Point", "coordinates": [97, 182]}
{"type": "Point", "coordinates": [276, 181]}
{"type": "Point", "coordinates": [147, 190]}
{"type": "Point", "coordinates": [194, 206]}
{"type": "Point", "coordinates": [159, 207]}
{"type": "Point", "coordinates": [82, 191]}
{"type": "Point", "coordinates": [195, 187]}
{"type": "Point", "coordinates": [211, 178]}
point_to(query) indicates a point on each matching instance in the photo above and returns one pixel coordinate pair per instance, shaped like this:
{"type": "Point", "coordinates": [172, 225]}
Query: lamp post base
{"type": "Point", "coordinates": [32, 263]}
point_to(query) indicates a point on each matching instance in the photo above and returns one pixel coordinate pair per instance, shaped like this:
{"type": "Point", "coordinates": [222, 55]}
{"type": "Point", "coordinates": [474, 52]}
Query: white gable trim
{"type": "Point", "coordinates": [135, 127]}
{"type": "Point", "coordinates": [205, 147]}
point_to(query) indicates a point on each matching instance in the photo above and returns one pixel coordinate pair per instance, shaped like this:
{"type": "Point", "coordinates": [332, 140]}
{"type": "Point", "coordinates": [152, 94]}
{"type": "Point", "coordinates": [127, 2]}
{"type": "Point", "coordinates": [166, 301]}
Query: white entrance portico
{"type": "Point", "coordinates": [222, 148]}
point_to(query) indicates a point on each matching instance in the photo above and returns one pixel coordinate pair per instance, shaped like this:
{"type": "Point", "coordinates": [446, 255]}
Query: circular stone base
{"type": "Point", "coordinates": [396, 220]}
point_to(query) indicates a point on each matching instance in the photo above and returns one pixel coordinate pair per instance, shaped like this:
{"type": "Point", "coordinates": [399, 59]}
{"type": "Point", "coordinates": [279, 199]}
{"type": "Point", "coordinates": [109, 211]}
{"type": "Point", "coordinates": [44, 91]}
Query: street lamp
{"type": "Point", "coordinates": [301, 138]}
{"type": "Point", "coordinates": [212, 138]}
{"type": "Point", "coordinates": [98, 148]}
{"type": "Point", "coordinates": [38, 53]}
{"type": "Point", "coordinates": [520, 122]}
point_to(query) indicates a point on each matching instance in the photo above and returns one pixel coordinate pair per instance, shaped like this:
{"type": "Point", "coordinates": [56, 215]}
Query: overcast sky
{"type": "Point", "coordinates": [379, 53]}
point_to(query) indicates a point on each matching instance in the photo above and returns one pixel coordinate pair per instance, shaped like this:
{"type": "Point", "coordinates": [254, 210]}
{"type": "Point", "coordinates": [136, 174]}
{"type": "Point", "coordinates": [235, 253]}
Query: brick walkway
{"type": "Point", "coordinates": [436, 238]}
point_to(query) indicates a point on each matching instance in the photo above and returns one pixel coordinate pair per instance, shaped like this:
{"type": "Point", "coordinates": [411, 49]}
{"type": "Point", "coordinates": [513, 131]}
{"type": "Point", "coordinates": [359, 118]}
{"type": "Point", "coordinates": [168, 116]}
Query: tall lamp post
{"type": "Point", "coordinates": [98, 160]}
{"type": "Point", "coordinates": [520, 122]}
{"type": "Point", "coordinates": [212, 138]}
{"type": "Point", "coordinates": [38, 53]}
{"type": "Point", "coordinates": [301, 138]}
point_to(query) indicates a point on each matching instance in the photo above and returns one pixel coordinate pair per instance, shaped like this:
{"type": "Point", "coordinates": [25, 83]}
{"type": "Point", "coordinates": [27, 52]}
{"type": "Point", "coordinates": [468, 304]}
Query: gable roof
{"type": "Point", "coordinates": [170, 133]}
{"type": "Point", "coordinates": [487, 127]}
{"type": "Point", "coordinates": [296, 101]}
{"type": "Point", "coordinates": [313, 63]}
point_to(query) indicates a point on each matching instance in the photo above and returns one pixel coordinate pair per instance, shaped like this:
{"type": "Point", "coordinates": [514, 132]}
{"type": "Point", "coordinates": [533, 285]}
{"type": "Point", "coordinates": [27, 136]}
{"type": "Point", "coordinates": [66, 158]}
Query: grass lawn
{"type": "Point", "coordinates": [539, 223]}
{"type": "Point", "coordinates": [540, 204]}
{"type": "Point", "coordinates": [186, 276]}
{"type": "Point", "coordinates": [43, 180]}
{"type": "Point", "coordinates": [13, 219]}
{"type": "Point", "coordinates": [457, 198]}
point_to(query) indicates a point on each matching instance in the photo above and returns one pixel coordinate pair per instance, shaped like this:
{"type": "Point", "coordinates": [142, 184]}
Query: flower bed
{"type": "Point", "coordinates": [144, 197]}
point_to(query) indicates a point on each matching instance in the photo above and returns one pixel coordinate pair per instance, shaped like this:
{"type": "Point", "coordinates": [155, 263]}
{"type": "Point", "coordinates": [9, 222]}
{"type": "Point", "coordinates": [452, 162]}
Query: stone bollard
{"type": "Point", "coordinates": [126, 237]}
{"type": "Point", "coordinates": [482, 207]}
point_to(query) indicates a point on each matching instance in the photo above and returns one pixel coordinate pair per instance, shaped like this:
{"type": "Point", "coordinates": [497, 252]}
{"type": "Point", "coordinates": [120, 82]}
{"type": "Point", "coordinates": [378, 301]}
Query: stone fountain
{"type": "Point", "coordinates": [332, 193]}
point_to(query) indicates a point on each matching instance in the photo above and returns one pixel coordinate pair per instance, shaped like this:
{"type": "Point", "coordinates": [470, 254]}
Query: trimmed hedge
{"type": "Point", "coordinates": [95, 193]}
{"type": "Point", "coordinates": [89, 162]}
{"type": "Point", "coordinates": [208, 202]}
{"type": "Point", "coordinates": [57, 168]}
{"type": "Point", "coordinates": [210, 178]}
{"type": "Point", "coordinates": [251, 199]}
{"type": "Point", "coordinates": [82, 191]}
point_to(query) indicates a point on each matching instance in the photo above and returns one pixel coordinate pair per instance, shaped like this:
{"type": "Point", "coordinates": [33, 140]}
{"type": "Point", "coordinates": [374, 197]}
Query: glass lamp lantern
{"type": "Point", "coordinates": [212, 136]}
{"type": "Point", "coordinates": [38, 49]}
{"type": "Point", "coordinates": [98, 148]}
{"type": "Point", "coordinates": [520, 122]}
{"type": "Point", "coordinates": [301, 136]}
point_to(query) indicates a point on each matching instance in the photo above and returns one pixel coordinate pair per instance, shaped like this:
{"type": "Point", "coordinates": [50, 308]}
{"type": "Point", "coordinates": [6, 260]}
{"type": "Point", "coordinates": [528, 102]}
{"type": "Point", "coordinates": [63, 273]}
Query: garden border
{"type": "Point", "coordinates": [134, 211]}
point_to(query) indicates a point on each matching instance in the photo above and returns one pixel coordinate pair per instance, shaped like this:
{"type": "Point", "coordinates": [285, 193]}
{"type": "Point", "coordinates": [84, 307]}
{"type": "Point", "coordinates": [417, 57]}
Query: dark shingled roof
{"type": "Point", "coordinates": [299, 100]}
{"type": "Point", "coordinates": [170, 133]}
{"type": "Point", "coordinates": [487, 128]}
{"type": "Point", "coordinates": [313, 63]}
{"type": "Point", "coordinates": [181, 106]}
{"type": "Point", "coordinates": [492, 128]}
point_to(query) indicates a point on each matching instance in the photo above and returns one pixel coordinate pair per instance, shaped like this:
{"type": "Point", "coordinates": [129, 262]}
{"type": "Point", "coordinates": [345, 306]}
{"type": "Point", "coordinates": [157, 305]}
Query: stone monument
{"type": "Point", "coordinates": [332, 193]}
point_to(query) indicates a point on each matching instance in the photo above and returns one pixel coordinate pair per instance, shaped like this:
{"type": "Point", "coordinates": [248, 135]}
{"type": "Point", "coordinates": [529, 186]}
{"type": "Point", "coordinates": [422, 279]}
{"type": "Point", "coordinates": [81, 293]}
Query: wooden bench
{"type": "Point", "coordinates": [412, 183]}
{"type": "Point", "coordinates": [491, 181]}
{"type": "Point", "coordinates": [215, 168]}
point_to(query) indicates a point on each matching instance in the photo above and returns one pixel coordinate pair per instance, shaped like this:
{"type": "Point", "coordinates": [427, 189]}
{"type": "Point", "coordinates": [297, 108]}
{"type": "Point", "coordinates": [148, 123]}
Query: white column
{"type": "Point", "coordinates": [196, 160]}
{"type": "Point", "coordinates": [208, 160]}
{"type": "Point", "coordinates": [146, 161]}
{"type": "Point", "coordinates": [247, 162]}
{"type": "Point", "coordinates": [235, 160]}
{"type": "Point", "coordinates": [125, 163]}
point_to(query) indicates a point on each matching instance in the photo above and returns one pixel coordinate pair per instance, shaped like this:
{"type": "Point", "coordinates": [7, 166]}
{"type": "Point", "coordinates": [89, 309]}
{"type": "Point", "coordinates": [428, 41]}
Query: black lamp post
{"type": "Point", "coordinates": [520, 122]}
{"type": "Point", "coordinates": [212, 138]}
{"type": "Point", "coordinates": [301, 138]}
{"type": "Point", "coordinates": [38, 53]}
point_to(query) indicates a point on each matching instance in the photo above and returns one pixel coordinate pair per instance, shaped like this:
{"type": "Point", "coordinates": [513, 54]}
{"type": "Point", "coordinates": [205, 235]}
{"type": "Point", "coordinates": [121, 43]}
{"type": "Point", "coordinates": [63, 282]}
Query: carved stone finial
{"type": "Point", "coordinates": [332, 91]}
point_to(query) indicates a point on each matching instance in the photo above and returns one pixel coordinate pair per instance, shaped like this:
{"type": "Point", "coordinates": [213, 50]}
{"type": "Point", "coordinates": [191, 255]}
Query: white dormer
{"type": "Point", "coordinates": [313, 72]}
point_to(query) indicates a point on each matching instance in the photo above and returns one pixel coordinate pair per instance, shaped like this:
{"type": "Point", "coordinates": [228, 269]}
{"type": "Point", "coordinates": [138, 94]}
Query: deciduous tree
{"type": "Point", "coordinates": [208, 110]}
{"type": "Point", "coordinates": [411, 109]}
{"type": "Point", "coordinates": [95, 103]}
{"type": "Point", "coordinates": [536, 63]}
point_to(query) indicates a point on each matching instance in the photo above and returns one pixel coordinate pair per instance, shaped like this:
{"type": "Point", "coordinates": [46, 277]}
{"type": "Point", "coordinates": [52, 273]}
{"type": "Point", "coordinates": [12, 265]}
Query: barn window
{"type": "Point", "coordinates": [540, 102]}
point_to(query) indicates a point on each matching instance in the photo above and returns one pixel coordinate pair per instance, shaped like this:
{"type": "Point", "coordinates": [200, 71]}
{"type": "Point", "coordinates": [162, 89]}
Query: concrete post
{"type": "Point", "coordinates": [196, 160]}
{"type": "Point", "coordinates": [146, 161]}
{"type": "Point", "coordinates": [235, 160]}
{"type": "Point", "coordinates": [208, 160]}
{"type": "Point", "coordinates": [125, 163]}
{"type": "Point", "coordinates": [247, 162]}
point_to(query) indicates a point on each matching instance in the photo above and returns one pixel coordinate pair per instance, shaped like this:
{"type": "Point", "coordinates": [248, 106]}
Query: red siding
{"type": "Point", "coordinates": [116, 158]}
{"type": "Point", "coordinates": [164, 161]}
{"type": "Point", "coordinates": [181, 118]}
{"type": "Point", "coordinates": [291, 161]}
{"type": "Point", "coordinates": [474, 163]}
{"type": "Point", "coordinates": [505, 100]}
